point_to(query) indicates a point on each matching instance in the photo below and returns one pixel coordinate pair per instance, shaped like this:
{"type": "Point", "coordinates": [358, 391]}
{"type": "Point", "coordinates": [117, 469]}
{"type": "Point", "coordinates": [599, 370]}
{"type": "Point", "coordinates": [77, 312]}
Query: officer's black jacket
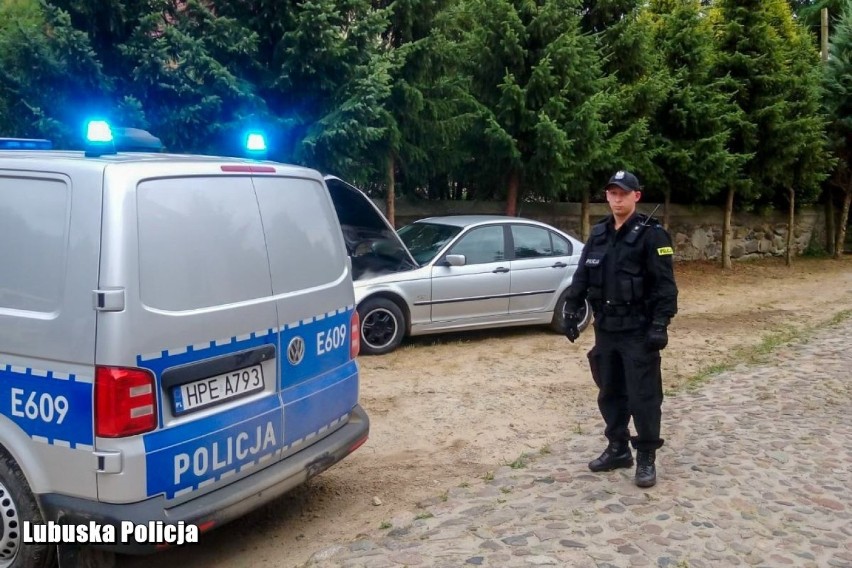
{"type": "Point", "coordinates": [627, 275]}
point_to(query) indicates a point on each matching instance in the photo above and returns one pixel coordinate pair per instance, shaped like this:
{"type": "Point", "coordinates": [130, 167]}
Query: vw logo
{"type": "Point", "coordinates": [296, 350]}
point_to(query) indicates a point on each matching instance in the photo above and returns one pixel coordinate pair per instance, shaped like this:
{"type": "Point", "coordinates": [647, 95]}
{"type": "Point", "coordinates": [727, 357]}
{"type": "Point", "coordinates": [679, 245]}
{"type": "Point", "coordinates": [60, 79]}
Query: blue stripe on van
{"type": "Point", "coordinates": [49, 409]}
{"type": "Point", "coordinates": [192, 354]}
{"type": "Point", "coordinates": [317, 386]}
{"type": "Point", "coordinates": [326, 346]}
{"type": "Point", "coordinates": [210, 455]}
{"type": "Point", "coordinates": [308, 406]}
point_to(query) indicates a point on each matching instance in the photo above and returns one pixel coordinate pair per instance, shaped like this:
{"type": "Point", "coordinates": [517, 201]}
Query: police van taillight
{"type": "Point", "coordinates": [355, 334]}
{"type": "Point", "coordinates": [124, 402]}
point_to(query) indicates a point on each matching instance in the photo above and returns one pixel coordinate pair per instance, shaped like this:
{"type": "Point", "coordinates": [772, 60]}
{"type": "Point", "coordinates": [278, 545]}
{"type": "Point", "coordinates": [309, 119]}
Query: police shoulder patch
{"type": "Point", "coordinates": [663, 251]}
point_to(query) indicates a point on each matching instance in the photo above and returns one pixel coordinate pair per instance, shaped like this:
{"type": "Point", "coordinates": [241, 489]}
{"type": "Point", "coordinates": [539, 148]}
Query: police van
{"type": "Point", "coordinates": [178, 338]}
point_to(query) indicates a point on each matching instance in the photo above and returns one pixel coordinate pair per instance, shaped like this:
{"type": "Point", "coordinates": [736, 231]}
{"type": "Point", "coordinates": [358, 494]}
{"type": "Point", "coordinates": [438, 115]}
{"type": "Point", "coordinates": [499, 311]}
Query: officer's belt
{"type": "Point", "coordinates": [620, 309]}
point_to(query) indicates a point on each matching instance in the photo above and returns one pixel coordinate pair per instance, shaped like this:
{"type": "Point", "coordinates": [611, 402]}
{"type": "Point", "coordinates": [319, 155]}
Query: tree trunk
{"type": "Point", "coordinates": [390, 199]}
{"type": "Point", "coordinates": [585, 226]}
{"type": "Point", "coordinates": [512, 197]}
{"type": "Point", "coordinates": [726, 230]}
{"type": "Point", "coordinates": [840, 243]}
{"type": "Point", "coordinates": [830, 231]}
{"type": "Point", "coordinates": [666, 204]}
{"type": "Point", "coordinates": [791, 225]}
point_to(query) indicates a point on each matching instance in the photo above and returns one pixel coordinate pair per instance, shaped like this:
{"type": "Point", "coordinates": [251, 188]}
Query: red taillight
{"type": "Point", "coordinates": [124, 402]}
{"type": "Point", "coordinates": [355, 334]}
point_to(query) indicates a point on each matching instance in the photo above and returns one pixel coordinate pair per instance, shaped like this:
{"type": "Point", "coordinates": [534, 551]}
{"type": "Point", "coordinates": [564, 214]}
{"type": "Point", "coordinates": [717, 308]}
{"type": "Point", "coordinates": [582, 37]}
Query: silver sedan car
{"type": "Point", "coordinates": [452, 273]}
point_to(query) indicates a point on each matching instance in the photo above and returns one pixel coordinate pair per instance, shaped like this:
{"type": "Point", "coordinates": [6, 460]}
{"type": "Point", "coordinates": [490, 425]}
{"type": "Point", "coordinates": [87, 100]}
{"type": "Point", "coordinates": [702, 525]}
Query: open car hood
{"type": "Point", "coordinates": [371, 241]}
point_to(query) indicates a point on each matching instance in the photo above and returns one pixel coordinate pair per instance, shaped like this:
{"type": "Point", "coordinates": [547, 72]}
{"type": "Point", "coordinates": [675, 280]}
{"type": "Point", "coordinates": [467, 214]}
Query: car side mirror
{"type": "Point", "coordinates": [455, 259]}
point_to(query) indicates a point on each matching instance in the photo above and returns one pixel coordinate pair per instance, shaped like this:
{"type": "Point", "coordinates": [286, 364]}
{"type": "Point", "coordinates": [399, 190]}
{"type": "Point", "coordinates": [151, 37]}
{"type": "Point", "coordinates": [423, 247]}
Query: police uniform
{"type": "Point", "coordinates": [627, 275]}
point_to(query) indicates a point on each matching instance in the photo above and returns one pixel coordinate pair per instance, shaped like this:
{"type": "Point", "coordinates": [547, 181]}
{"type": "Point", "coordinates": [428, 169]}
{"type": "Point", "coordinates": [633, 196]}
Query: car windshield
{"type": "Point", "coordinates": [425, 240]}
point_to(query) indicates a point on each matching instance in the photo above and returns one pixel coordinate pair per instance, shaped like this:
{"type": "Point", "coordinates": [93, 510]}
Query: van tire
{"type": "Point", "coordinates": [382, 326]}
{"type": "Point", "coordinates": [17, 505]}
{"type": "Point", "coordinates": [558, 322]}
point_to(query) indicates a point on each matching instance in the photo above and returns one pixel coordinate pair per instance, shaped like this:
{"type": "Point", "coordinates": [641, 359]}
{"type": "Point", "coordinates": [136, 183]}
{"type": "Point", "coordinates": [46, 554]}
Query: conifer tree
{"type": "Point", "coordinates": [637, 85]}
{"type": "Point", "coordinates": [838, 102]}
{"type": "Point", "coordinates": [537, 83]}
{"type": "Point", "coordinates": [49, 75]}
{"type": "Point", "coordinates": [426, 102]}
{"type": "Point", "coordinates": [690, 129]}
{"type": "Point", "coordinates": [184, 65]}
{"type": "Point", "coordinates": [751, 63]}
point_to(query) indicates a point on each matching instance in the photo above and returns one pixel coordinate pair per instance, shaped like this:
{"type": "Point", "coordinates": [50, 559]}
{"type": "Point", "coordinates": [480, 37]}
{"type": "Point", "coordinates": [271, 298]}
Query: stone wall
{"type": "Point", "coordinates": [695, 230]}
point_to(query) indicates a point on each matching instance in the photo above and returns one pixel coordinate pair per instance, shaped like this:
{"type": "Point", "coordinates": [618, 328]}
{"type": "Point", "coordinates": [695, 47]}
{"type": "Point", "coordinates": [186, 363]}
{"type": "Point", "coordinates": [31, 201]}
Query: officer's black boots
{"type": "Point", "coordinates": [646, 473]}
{"type": "Point", "coordinates": [613, 457]}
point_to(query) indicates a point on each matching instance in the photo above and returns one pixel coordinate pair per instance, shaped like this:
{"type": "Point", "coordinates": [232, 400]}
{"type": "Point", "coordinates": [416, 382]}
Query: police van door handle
{"type": "Point", "coordinates": [559, 265]}
{"type": "Point", "coordinates": [108, 462]}
{"type": "Point", "coordinates": [500, 270]}
{"type": "Point", "coordinates": [109, 300]}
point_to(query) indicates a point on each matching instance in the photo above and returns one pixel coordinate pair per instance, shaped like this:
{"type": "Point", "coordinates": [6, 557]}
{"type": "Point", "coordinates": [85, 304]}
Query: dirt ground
{"type": "Point", "coordinates": [447, 409]}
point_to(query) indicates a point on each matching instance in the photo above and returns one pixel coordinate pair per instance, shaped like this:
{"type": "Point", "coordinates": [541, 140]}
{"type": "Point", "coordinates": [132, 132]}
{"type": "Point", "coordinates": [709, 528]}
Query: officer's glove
{"type": "Point", "coordinates": [657, 337]}
{"type": "Point", "coordinates": [572, 331]}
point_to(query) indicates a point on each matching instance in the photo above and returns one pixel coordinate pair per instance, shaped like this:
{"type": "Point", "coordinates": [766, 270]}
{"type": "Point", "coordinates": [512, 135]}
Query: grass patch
{"type": "Point", "coordinates": [759, 353]}
{"type": "Point", "coordinates": [423, 516]}
{"type": "Point", "coordinates": [385, 525]}
{"type": "Point", "coordinates": [489, 476]}
{"type": "Point", "coordinates": [519, 463]}
{"type": "Point", "coordinates": [840, 316]}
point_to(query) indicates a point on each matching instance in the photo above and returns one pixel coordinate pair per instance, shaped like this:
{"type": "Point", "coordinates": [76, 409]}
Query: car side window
{"type": "Point", "coordinates": [481, 245]}
{"type": "Point", "coordinates": [531, 242]}
{"type": "Point", "coordinates": [561, 246]}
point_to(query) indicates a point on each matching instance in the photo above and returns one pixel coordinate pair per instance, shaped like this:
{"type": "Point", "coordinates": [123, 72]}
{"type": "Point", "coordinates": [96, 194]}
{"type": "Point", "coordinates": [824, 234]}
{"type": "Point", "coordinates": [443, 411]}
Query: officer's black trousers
{"type": "Point", "coordinates": [630, 384]}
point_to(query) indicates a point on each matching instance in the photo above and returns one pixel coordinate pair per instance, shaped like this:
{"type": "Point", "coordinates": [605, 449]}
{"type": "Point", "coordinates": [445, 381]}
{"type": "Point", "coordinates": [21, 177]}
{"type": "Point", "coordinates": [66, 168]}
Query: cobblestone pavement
{"type": "Point", "coordinates": [756, 471]}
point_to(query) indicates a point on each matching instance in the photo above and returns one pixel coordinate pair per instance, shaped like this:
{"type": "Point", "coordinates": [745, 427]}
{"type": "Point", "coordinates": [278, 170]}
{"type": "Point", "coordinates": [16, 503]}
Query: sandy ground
{"type": "Point", "coordinates": [447, 409]}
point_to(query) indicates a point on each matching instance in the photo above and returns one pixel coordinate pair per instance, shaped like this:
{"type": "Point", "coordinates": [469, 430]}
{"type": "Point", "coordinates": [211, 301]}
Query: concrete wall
{"type": "Point", "coordinates": [696, 231]}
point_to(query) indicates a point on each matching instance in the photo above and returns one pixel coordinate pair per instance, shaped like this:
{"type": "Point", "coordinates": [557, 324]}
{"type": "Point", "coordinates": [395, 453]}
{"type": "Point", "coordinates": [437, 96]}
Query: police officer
{"type": "Point", "coordinates": [626, 274]}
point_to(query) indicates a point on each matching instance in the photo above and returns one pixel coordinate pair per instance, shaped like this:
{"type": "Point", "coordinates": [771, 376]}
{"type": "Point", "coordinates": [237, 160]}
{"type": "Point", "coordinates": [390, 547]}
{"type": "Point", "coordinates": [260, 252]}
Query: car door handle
{"type": "Point", "coordinates": [559, 265]}
{"type": "Point", "coordinates": [500, 270]}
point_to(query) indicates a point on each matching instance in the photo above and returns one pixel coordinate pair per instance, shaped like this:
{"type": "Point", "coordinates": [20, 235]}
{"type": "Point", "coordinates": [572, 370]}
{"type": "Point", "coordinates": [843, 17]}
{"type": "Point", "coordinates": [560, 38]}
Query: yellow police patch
{"type": "Point", "coordinates": [664, 251]}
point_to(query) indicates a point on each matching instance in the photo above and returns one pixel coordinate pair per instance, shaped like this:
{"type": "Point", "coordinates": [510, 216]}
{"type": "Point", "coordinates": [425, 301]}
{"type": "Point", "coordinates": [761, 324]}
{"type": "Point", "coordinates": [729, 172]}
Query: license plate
{"type": "Point", "coordinates": [215, 390]}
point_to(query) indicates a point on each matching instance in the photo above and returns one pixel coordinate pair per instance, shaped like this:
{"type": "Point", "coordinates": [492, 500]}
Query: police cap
{"type": "Point", "coordinates": [625, 180]}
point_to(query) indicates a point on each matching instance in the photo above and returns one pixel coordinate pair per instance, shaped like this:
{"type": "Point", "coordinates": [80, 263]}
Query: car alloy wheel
{"type": "Point", "coordinates": [382, 326]}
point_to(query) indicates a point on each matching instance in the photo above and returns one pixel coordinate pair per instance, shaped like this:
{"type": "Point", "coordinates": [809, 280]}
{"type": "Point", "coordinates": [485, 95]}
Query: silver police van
{"type": "Point", "coordinates": [177, 338]}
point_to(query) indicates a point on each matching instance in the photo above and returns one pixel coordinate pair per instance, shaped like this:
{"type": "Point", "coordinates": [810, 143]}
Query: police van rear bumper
{"type": "Point", "coordinates": [220, 506]}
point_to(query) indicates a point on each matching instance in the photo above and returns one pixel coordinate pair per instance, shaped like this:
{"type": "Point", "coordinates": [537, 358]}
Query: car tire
{"type": "Point", "coordinates": [382, 326]}
{"type": "Point", "coordinates": [18, 505]}
{"type": "Point", "coordinates": [558, 322]}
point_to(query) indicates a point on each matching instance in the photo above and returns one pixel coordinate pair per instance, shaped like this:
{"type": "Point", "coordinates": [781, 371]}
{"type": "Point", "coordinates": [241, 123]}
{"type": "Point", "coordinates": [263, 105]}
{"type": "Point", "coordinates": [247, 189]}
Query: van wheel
{"type": "Point", "coordinates": [18, 505]}
{"type": "Point", "coordinates": [382, 326]}
{"type": "Point", "coordinates": [558, 322]}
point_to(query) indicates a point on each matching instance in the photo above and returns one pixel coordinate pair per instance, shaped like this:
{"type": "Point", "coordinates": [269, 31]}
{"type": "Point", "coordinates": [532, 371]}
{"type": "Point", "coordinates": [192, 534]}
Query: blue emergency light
{"type": "Point", "coordinates": [99, 139]}
{"type": "Point", "coordinates": [98, 131]}
{"type": "Point", "coordinates": [255, 142]}
{"type": "Point", "coordinates": [25, 144]}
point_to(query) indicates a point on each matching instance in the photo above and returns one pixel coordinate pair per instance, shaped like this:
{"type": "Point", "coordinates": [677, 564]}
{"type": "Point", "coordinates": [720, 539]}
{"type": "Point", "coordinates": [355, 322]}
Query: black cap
{"type": "Point", "coordinates": [625, 180]}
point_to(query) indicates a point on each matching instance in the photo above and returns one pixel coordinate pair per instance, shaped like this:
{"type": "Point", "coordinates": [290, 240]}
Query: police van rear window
{"type": "Point", "coordinates": [304, 240]}
{"type": "Point", "coordinates": [201, 243]}
{"type": "Point", "coordinates": [34, 214]}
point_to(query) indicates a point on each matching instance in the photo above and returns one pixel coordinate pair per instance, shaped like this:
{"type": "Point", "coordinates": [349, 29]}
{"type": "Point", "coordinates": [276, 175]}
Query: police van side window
{"type": "Point", "coordinates": [200, 243]}
{"type": "Point", "coordinates": [305, 243]}
{"type": "Point", "coordinates": [33, 243]}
